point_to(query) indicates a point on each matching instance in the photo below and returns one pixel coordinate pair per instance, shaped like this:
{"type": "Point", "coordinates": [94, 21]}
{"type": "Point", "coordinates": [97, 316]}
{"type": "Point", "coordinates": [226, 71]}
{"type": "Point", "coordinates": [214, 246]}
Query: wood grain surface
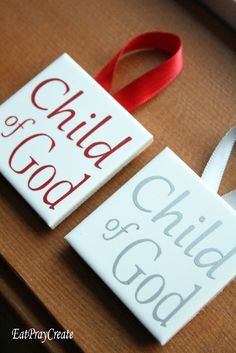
{"type": "Point", "coordinates": [190, 116]}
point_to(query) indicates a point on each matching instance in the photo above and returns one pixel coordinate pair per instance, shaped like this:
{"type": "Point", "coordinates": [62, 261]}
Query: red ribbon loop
{"type": "Point", "coordinates": [151, 83]}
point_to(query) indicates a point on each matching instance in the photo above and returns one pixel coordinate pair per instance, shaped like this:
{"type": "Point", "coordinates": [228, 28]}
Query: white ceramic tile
{"type": "Point", "coordinates": [51, 128]}
{"type": "Point", "coordinates": [164, 243]}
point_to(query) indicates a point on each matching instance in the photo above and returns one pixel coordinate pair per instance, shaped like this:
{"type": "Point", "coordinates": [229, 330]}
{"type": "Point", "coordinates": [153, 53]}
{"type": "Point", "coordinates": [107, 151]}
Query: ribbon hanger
{"type": "Point", "coordinates": [214, 170]}
{"type": "Point", "coordinates": [152, 82]}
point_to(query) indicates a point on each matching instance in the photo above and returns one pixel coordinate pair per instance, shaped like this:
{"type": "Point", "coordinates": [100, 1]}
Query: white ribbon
{"type": "Point", "coordinates": [216, 165]}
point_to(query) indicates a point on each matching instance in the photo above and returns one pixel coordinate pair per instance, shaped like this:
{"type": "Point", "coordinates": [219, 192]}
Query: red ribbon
{"type": "Point", "coordinates": [151, 83]}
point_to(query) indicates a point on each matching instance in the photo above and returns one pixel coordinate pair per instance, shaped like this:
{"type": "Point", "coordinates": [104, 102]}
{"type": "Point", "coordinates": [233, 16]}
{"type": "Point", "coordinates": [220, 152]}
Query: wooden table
{"type": "Point", "coordinates": [190, 117]}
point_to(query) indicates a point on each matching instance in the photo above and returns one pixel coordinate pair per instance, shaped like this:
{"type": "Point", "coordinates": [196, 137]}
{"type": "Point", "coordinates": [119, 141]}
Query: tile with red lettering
{"type": "Point", "coordinates": [164, 243]}
{"type": "Point", "coordinates": [62, 136]}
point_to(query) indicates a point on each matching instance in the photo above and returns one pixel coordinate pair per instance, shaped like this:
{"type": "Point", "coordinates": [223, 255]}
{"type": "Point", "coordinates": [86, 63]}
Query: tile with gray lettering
{"type": "Point", "coordinates": [164, 243]}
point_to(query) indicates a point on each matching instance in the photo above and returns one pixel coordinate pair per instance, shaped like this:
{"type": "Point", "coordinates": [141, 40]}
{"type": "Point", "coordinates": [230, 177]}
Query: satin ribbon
{"type": "Point", "coordinates": [151, 83]}
{"type": "Point", "coordinates": [214, 170]}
